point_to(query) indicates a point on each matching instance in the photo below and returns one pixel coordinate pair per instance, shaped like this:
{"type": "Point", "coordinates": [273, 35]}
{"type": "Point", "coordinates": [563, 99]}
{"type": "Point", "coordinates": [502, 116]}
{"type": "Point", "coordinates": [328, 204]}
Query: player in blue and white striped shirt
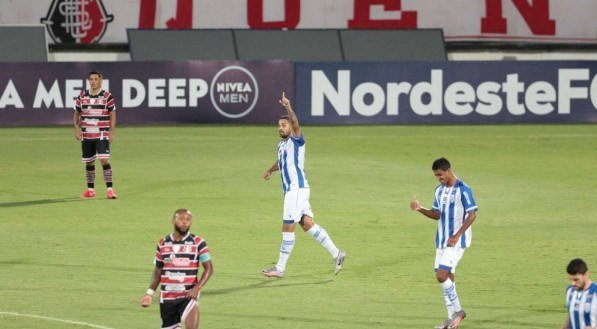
{"type": "Point", "coordinates": [455, 210]}
{"type": "Point", "coordinates": [291, 164]}
{"type": "Point", "coordinates": [581, 297]}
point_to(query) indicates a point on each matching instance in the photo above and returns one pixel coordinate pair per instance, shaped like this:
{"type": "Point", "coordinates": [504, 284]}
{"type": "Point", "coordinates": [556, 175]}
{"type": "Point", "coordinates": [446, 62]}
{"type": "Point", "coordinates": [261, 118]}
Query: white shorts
{"type": "Point", "coordinates": [296, 205]}
{"type": "Point", "coordinates": [447, 258]}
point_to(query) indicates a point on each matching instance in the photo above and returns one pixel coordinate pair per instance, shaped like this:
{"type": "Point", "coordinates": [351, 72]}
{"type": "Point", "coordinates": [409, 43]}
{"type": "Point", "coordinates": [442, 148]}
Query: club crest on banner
{"type": "Point", "coordinates": [76, 21]}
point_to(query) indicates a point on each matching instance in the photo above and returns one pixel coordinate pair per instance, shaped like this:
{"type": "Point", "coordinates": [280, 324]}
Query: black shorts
{"type": "Point", "coordinates": [172, 311]}
{"type": "Point", "coordinates": [95, 148]}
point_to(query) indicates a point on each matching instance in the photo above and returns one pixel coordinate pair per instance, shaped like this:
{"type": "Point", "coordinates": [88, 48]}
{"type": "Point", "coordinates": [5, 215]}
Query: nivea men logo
{"type": "Point", "coordinates": [234, 91]}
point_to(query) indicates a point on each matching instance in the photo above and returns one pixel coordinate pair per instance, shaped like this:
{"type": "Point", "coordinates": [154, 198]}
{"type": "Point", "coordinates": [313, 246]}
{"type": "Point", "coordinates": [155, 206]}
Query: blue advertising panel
{"type": "Point", "coordinates": [33, 93]}
{"type": "Point", "coordinates": [446, 92]}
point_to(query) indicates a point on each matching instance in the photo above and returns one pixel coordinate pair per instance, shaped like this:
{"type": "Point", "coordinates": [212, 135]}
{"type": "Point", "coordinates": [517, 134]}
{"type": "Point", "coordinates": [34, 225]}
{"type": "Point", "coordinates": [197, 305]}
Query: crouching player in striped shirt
{"type": "Point", "coordinates": [291, 164]}
{"type": "Point", "coordinates": [581, 297]}
{"type": "Point", "coordinates": [176, 267]}
{"type": "Point", "coordinates": [455, 210]}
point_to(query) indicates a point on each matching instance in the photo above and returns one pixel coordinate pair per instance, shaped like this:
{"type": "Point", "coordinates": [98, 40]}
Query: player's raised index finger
{"type": "Point", "coordinates": [283, 94]}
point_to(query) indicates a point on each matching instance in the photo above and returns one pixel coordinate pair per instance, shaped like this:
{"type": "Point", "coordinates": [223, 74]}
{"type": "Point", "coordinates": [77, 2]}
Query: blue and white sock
{"type": "Point", "coordinates": [321, 236]}
{"type": "Point", "coordinates": [450, 293]}
{"type": "Point", "coordinates": [285, 250]}
{"type": "Point", "coordinates": [449, 306]}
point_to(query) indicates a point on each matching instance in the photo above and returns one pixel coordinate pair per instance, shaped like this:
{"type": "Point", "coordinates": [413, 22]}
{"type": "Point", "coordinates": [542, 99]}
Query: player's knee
{"type": "Point", "coordinates": [441, 276]}
{"type": "Point", "coordinates": [306, 223]}
{"type": "Point", "coordinates": [192, 323]}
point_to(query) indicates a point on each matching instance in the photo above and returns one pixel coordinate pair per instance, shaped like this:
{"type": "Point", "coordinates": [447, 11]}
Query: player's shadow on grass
{"type": "Point", "coordinates": [37, 202]}
{"type": "Point", "coordinates": [262, 284]}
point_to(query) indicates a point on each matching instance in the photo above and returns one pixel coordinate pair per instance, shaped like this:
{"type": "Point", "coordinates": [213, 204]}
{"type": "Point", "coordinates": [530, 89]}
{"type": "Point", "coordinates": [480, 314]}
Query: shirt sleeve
{"type": "Point", "coordinates": [299, 140]}
{"type": "Point", "coordinates": [568, 293]}
{"type": "Point", "coordinates": [593, 314]}
{"type": "Point", "coordinates": [203, 252]}
{"type": "Point", "coordinates": [468, 201]}
{"type": "Point", "coordinates": [435, 200]}
{"type": "Point", "coordinates": [77, 106]}
{"type": "Point", "coordinates": [111, 103]}
{"type": "Point", "coordinates": [159, 259]}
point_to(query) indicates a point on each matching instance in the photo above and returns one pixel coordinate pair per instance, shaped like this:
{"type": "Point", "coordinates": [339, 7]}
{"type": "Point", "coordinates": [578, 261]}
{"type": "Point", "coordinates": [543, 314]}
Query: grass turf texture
{"type": "Point", "coordinates": [90, 260]}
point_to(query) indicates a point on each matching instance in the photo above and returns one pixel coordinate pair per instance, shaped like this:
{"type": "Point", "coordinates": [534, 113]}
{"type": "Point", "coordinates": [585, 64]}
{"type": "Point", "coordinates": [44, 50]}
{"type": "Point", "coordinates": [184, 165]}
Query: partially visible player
{"type": "Point", "coordinates": [581, 297]}
{"type": "Point", "coordinates": [95, 123]}
{"type": "Point", "coordinates": [177, 262]}
{"type": "Point", "coordinates": [291, 163]}
{"type": "Point", "coordinates": [455, 210]}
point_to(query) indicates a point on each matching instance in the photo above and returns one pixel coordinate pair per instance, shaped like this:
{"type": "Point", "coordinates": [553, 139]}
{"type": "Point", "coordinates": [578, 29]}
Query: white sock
{"type": "Point", "coordinates": [449, 306]}
{"type": "Point", "coordinates": [321, 236]}
{"type": "Point", "coordinates": [285, 250]}
{"type": "Point", "coordinates": [450, 292]}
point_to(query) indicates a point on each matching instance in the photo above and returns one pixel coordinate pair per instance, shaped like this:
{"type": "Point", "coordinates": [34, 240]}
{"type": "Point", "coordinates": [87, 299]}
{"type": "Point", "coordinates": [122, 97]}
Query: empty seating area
{"type": "Point", "coordinates": [25, 43]}
{"type": "Point", "coordinates": [28, 43]}
{"type": "Point", "coordinates": [297, 45]}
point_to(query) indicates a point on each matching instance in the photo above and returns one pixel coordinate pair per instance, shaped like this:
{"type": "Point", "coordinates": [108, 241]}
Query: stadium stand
{"type": "Point", "coordinates": [296, 45]}
{"type": "Point", "coordinates": [393, 45]}
{"type": "Point", "coordinates": [181, 45]}
{"type": "Point", "coordinates": [23, 43]}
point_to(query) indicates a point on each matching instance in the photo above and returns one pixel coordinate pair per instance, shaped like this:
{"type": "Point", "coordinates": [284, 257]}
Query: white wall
{"type": "Point", "coordinates": [453, 56]}
{"type": "Point", "coordinates": [89, 56]}
{"type": "Point", "coordinates": [522, 56]}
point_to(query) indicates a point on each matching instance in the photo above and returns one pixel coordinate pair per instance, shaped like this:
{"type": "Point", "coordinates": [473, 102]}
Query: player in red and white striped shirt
{"type": "Point", "coordinates": [176, 269]}
{"type": "Point", "coordinates": [95, 121]}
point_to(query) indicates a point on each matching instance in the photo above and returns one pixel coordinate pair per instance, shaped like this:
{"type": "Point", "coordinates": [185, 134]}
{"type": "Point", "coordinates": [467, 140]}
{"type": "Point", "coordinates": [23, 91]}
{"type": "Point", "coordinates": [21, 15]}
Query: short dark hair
{"type": "Point", "coordinates": [441, 163]}
{"type": "Point", "coordinates": [181, 211]}
{"type": "Point", "coordinates": [577, 266]}
{"type": "Point", "coordinates": [96, 72]}
{"type": "Point", "coordinates": [284, 117]}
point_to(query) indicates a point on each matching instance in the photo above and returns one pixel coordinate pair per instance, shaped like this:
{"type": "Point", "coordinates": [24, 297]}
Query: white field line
{"type": "Point", "coordinates": [47, 318]}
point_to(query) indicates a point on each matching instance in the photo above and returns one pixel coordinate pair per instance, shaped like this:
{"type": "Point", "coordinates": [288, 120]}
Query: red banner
{"type": "Point", "coordinates": [106, 21]}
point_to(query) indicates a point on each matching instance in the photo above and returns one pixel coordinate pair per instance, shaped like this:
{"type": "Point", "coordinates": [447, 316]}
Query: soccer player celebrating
{"type": "Point", "coordinates": [291, 164]}
{"type": "Point", "coordinates": [95, 122]}
{"type": "Point", "coordinates": [581, 297]}
{"type": "Point", "coordinates": [455, 210]}
{"type": "Point", "coordinates": [176, 267]}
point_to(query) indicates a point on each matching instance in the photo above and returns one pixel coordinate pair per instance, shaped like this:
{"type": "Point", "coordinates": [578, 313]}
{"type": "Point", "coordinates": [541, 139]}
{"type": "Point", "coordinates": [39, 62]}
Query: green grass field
{"type": "Point", "coordinates": [89, 261]}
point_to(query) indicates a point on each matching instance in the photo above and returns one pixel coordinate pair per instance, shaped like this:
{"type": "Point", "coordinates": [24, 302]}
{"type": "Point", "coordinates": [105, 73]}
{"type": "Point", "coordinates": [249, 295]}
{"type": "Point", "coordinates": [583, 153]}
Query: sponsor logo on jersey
{"type": "Point", "coordinates": [181, 261]}
{"type": "Point", "coordinates": [175, 287]}
{"type": "Point", "coordinates": [175, 276]}
{"type": "Point", "coordinates": [92, 122]}
{"type": "Point", "coordinates": [91, 111]}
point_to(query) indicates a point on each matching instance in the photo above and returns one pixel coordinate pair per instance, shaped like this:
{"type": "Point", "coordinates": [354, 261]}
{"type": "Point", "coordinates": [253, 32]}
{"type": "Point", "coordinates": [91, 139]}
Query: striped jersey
{"type": "Point", "coordinates": [291, 162]}
{"type": "Point", "coordinates": [95, 113]}
{"type": "Point", "coordinates": [179, 261]}
{"type": "Point", "coordinates": [582, 307]}
{"type": "Point", "coordinates": [453, 202]}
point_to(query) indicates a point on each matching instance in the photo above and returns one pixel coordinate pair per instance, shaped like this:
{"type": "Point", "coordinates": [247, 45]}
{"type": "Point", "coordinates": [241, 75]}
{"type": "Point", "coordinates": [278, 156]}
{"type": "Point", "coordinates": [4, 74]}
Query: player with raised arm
{"type": "Point", "coordinates": [291, 164]}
